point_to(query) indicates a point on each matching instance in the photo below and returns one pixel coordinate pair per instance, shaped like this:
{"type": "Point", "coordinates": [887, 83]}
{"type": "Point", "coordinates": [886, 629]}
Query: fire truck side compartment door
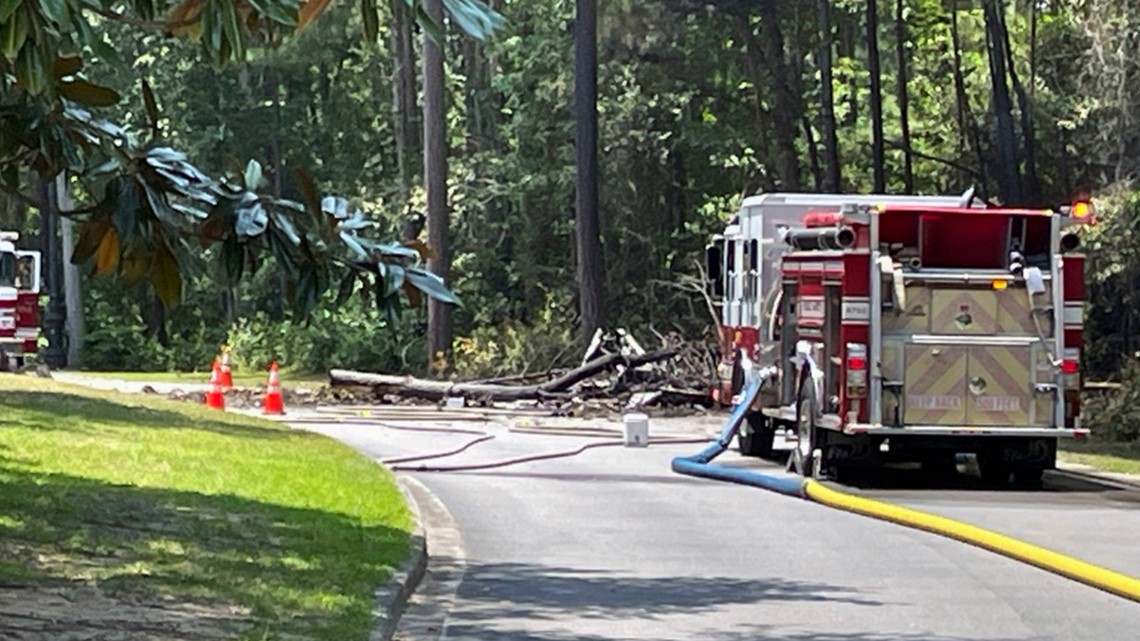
{"type": "Point", "coordinates": [999, 380]}
{"type": "Point", "coordinates": [935, 384]}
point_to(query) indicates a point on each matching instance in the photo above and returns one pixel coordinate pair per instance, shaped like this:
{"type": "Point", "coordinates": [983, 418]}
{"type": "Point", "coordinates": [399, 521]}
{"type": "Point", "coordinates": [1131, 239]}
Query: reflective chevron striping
{"type": "Point", "coordinates": [935, 385]}
{"type": "Point", "coordinates": [998, 381]}
{"type": "Point", "coordinates": [956, 311]}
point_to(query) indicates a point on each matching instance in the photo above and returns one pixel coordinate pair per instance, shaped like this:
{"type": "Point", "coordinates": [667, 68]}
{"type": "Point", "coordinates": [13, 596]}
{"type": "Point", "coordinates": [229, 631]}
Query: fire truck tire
{"type": "Point", "coordinates": [737, 375]}
{"type": "Point", "coordinates": [757, 439]}
{"type": "Point", "coordinates": [992, 468]}
{"type": "Point", "coordinates": [802, 457]}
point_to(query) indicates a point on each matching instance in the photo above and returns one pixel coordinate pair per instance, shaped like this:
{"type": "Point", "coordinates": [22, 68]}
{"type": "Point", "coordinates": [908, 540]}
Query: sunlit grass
{"type": "Point", "coordinates": [1123, 458]}
{"type": "Point", "coordinates": [145, 496]}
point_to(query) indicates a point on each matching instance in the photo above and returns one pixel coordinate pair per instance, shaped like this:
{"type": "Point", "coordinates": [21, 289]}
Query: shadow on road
{"type": "Point", "coordinates": [743, 633]}
{"type": "Point", "coordinates": [538, 592]}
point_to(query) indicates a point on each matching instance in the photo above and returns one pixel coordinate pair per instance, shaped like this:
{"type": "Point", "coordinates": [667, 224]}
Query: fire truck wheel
{"type": "Point", "coordinates": [737, 375]}
{"type": "Point", "coordinates": [1029, 479]}
{"type": "Point", "coordinates": [806, 433]}
{"type": "Point", "coordinates": [992, 468]}
{"type": "Point", "coordinates": [756, 439]}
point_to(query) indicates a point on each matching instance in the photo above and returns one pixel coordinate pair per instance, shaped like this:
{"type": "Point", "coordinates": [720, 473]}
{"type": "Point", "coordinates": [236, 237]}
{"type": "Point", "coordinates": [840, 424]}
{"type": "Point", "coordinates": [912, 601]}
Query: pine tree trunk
{"type": "Point", "coordinates": [435, 183]}
{"type": "Point", "coordinates": [832, 176]}
{"type": "Point", "coordinates": [904, 95]}
{"type": "Point", "coordinates": [588, 226]}
{"type": "Point", "coordinates": [878, 159]}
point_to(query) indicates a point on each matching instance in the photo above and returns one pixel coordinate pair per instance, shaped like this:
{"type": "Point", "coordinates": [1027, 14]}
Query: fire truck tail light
{"type": "Point", "coordinates": [1069, 366]}
{"type": "Point", "coordinates": [856, 370]}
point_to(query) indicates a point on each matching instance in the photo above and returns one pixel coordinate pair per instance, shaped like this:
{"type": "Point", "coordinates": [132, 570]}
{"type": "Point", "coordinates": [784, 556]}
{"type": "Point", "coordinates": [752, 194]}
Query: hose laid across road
{"type": "Point", "coordinates": [700, 465]}
{"type": "Point", "coordinates": [1087, 573]}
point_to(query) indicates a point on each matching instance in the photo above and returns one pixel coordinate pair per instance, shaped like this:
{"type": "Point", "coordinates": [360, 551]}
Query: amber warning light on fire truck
{"type": "Point", "coordinates": [905, 328]}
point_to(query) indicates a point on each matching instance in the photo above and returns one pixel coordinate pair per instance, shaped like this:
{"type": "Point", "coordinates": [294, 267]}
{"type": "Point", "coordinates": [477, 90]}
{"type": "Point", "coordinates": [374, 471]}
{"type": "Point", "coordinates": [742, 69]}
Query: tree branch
{"type": "Point", "coordinates": [894, 144]}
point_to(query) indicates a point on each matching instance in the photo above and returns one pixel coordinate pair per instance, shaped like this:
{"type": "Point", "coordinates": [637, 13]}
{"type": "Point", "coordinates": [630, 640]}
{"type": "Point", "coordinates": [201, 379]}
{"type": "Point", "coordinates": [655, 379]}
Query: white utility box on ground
{"type": "Point", "coordinates": [636, 430]}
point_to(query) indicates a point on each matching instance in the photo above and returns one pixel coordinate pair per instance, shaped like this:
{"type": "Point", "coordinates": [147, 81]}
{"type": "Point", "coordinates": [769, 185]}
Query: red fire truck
{"type": "Point", "coordinates": [908, 329]}
{"type": "Point", "coordinates": [19, 302]}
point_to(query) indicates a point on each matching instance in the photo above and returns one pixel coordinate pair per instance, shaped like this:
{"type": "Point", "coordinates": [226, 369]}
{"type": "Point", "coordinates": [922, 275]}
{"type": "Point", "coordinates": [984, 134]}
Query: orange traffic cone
{"type": "Point", "coordinates": [216, 398]}
{"type": "Point", "coordinates": [227, 377]}
{"type": "Point", "coordinates": [273, 403]}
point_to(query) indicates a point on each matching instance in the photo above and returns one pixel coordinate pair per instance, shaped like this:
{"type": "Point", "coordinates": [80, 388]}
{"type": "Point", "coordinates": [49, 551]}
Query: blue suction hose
{"type": "Point", "coordinates": [700, 464]}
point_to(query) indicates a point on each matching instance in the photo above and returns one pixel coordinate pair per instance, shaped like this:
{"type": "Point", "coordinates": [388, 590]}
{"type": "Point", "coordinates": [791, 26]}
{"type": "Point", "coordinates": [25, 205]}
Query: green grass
{"type": "Point", "coordinates": [241, 378]}
{"type": "Point", "coordinates": [143, 496]}
{"type": "Point", "coordinates": [1123, 458]}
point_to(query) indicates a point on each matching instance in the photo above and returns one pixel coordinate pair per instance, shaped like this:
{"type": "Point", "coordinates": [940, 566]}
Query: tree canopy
{"type": "Point", "coordinates": [146, 211]}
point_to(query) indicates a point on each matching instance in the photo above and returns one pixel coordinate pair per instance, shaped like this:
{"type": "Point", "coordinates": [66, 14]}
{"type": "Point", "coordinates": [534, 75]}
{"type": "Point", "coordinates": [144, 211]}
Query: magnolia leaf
{"type": "Point", "coordinates": [473, 16]}
{"type": "Point", "coordinates": [66, 65]}
{"type": "Point", "coordinates": [166, 277]}
{"type": "Point", "coordinates": [55, 11]}
{"type": "Point", "coordinates": [252, 220]}
{"type": "Point", "coordinates": [215, 228]}
{"type": "Point", "coordinates": [309, 11]}
{"type": "Point", "coordinates": [30, 72]}
{"type": "Point", "coordinates": [151, 107]}
{"type": "Point", "coordinates": [287, 227]}
{"type": "Point", "coordinates": [414, 295]}
{"type": "Point", "coordinates": [276, 10]}
{"type": "Point", "coordinates": [431, 284]}
{"type": "Point", "coordinates": [107, 255]}
{"type": "Point", "coordinates": [87, 93]}
{"type": "Point", "coordinates": [7, 8]}
{"type": "Point", "coordinates": [183, 16]}
{"type": "Point", "coordinates": [135, 264]}
{"type": "Point", "coordinates": [252, 175]}
{"type": "Point", "coordinates": [393, 280]}
{"type": "Point", "coordinates": [308, 189]}
{"type": "Point", "coordinates": [354, 243]}
{"type": "Point", "coordinates": [346, 287]}
{"type": "Point", "coordinates": [421, 247]}
{"type": "Point", "coordinates": [90, 237]}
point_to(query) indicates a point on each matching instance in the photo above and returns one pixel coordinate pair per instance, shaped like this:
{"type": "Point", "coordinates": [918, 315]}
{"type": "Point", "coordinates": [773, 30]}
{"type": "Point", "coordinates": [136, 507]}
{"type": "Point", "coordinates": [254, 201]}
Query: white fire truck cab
{"type": "Point", "coordinates": [904, 328]}
{"type": "Point", "coordinates": [19, 302]}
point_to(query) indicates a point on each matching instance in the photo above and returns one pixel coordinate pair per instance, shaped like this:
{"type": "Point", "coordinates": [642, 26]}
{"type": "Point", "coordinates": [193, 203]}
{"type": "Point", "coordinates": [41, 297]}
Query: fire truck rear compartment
{"type": "Point", "coordinates": [966, 356]}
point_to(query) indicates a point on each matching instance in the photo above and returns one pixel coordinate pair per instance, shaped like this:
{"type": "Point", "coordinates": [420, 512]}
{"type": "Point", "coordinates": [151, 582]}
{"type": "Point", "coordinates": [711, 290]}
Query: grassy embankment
{"type": "Point", "coordinates": [243, 527]}
{"type": "Point", "coordinates": [1122, 458]}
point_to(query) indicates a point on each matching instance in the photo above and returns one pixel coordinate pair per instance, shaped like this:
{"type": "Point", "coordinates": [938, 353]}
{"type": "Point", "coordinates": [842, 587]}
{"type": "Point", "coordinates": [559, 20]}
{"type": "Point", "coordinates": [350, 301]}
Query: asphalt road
{"type": "Point", "coordinates": [611, 544]}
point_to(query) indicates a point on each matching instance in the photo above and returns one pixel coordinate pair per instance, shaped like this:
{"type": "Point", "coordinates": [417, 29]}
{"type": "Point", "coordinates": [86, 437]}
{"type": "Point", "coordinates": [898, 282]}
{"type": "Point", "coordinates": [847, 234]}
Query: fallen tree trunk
{"type": "Point", "coordinates": [438, 390]}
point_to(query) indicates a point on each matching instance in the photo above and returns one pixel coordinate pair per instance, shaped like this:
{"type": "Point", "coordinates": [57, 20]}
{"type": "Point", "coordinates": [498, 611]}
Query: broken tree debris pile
{"type": "Point", "coordinates": [615, 371]}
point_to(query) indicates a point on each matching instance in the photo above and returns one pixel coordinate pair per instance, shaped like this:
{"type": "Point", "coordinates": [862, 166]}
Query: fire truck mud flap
{"type": "Point", "coordinates": [700, 465]}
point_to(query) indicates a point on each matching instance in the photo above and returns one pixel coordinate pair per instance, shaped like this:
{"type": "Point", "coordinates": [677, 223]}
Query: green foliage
{"type": "Point", "coordinates": [148, 202]}
{"type": "Point", "coordinates": [1112, 321]}
{"type": "Point", "coordinates": [1115, 417]}
{"type": "Point", "coordinates": [348, 337]}
{"type": "Point", "coordinates": [515, 348]}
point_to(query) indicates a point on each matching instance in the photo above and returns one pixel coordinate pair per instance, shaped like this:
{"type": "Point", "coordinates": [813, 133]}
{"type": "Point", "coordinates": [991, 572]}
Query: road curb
{"type": "Point", "coordinates": [1128, 481]}
{"type": "Point", "coordinates": [391, 599]}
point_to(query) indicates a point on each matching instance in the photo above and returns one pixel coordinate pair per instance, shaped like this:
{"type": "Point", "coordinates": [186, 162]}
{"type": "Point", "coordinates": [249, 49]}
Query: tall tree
{"type": "Point", "coordinates": [786, 104]}
{"type": "Point", "coordinates": [403, 92]}
{"type": "Point", "coordinates": [878, 158]}
{"type": "Point", "coordinates": [832, 172]}
{"type": "Point", "coordinates": [904, 95]}
{"type": "Point", "coordinates": [1008, 172]}
{"type": "Point", "coordinates": [435, 184]}
{"type": "Point", "coordinates": [587, 222]}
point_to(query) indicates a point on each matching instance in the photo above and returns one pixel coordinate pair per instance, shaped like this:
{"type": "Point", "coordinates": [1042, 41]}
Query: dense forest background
{"type": "Point", "coordinates": [700, 103]}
